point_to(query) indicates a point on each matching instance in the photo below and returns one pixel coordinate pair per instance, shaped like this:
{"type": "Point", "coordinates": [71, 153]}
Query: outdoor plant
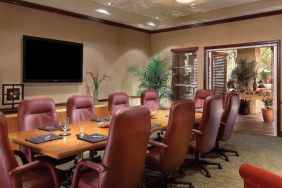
{"type": "Point", "coordinates": [155, 76]}
{"type": "Point", "coordinates": [244, 73]}
{"type": "Point", "coordinates": [267, 100]}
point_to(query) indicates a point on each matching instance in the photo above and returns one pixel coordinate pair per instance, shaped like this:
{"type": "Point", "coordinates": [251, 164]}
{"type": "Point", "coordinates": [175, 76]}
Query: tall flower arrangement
{"type": "Point", "coordinates": [97, 80]}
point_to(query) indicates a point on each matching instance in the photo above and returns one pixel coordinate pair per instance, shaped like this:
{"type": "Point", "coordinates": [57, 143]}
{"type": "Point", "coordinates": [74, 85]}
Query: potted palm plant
{"type": "Point", "coordinates": [244, 73]}
{"type": "Point", "coordinates": [155, 76]}
{"type": "Point", "coordinates": [267, 111]}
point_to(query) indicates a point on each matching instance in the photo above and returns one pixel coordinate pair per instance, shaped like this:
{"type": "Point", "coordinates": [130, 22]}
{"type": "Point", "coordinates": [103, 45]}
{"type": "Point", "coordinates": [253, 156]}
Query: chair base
{"type": "Point", "coordinates": [202, 164]}
{"type": "Point", "coordinates": [166, 180]}
{"type": "Point", "coordinates": [222, 151]}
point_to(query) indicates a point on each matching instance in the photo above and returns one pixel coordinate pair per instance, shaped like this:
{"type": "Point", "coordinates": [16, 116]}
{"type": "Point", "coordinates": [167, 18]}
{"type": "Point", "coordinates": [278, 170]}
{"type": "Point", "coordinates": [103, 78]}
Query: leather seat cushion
{"type": "Point", "coordinates": [89, 179]}
{"type": "Point", "coordinates": [153, 157]}
{"type": "Point", "coordinates": [37, 178]}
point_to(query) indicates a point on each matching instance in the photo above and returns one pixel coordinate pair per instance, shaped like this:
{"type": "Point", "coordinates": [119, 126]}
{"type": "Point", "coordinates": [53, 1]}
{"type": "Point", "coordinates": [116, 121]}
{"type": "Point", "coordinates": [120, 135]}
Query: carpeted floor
{"type": "Point", "coordinates": [264, 151]}
{"type": "Point", "coordinates": [260, 150]}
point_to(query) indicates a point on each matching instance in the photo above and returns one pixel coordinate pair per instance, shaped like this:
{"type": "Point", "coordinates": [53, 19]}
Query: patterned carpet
{"type": "Point", "coordinates": [260, 150]}
{"type": "Point", "coordinates": [264, 151]}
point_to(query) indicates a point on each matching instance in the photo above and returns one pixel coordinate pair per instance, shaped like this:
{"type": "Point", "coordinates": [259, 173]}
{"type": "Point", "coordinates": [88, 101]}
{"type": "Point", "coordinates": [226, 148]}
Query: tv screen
{"type": "Point", "coordinates": [48, 60]}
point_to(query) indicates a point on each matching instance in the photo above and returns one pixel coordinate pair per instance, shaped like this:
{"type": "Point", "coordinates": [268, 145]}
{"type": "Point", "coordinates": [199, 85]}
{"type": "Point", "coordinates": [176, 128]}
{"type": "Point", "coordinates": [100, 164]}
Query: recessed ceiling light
{"type": "Point", "coordinates": [102, 11]}
{"type": "Point", "coordinates": [151, 24]}
{"type": "Point", "coordinates": [184, 1]}
{"type": "Point", "coordinates": [109, 3]}
{"type": "Point", "coordinates": [157, 18]}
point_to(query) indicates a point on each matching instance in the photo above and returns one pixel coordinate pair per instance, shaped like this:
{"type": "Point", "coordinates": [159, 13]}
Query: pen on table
{"type": "Point", "coordinates": [96, 136]}
{"type": "Point", "coordinates": [46, 137]}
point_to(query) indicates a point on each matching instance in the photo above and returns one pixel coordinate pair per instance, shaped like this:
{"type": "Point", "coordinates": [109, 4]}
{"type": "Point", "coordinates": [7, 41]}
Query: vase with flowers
{"type": "Point", "coordinates": [267, 111]}
{"type": "Point", "coordinates": [97, 80]}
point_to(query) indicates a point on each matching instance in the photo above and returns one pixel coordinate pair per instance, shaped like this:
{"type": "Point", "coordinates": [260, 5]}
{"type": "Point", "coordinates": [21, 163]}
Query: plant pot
{"type": "Point", "coordinates": [244, 107]}
{"type": "Point", "coordinates": [267, 114]}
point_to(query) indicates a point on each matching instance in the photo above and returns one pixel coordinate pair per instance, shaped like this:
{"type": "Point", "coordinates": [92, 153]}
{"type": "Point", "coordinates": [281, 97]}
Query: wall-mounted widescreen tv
{"type": "Point", "coordinates": [49, 60]}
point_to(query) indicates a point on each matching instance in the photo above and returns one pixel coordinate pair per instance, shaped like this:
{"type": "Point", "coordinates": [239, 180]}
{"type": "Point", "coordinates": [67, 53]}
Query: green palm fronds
{"type": "Point", "coordinates": [244, 72]}
{"type": "Point", "coordinates": [155, 76]}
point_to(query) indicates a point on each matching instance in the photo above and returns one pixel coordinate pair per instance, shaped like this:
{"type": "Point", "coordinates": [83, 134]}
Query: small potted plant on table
{"type": "Point", "coordinates": [267, 111]}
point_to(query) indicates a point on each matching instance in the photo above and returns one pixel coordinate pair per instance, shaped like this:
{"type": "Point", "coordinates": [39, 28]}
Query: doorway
{"type": "Point", "coordinates": [252, 70]}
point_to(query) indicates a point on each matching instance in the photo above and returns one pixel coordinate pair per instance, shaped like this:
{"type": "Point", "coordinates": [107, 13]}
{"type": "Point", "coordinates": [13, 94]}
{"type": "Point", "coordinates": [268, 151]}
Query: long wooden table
{"type": "Point", "coordinates": [70, 145]}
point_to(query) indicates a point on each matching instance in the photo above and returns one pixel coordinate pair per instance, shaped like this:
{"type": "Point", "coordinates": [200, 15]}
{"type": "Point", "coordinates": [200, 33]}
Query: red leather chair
{"type": "Point", "coordinates": [255, 177]}
{"type": "Point", "coordinates": [200, 97]}
{"type": "Point", "coordinates": [80, 108]}
{"type": "Point", "coordinates": [36, 174]}
{"type": "Point", "coordinates": [168, 155]}
{"type": "Point", "coordinates": [227, 123]}
{"type": "Point", "coordinates": [149, 98]}
{"type": "Point", "coordinates": [35, 113]}
{"type": "Point", "coordinates": [124, 157]}
{"type": "Point", "coordinates": [117, 101]}
{"type": "Point", "coordinates": [205, 136]}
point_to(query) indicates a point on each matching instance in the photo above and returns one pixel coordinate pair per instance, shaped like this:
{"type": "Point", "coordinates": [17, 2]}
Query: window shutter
{"type": "Point", "coordinates": [219, 72]}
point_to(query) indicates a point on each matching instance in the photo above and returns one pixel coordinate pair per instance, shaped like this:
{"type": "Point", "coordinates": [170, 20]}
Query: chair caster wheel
{"type": "Point", "coordinates": [208, 175]}
{"type": "Point", "coordinates": [237, 154]}
{"type": "Point", "coordinates": [219, 166]}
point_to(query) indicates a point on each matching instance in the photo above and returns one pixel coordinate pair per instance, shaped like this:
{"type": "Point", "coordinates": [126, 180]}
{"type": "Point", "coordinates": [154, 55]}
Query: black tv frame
{"type": "Point", "coordinates": [25, 80]}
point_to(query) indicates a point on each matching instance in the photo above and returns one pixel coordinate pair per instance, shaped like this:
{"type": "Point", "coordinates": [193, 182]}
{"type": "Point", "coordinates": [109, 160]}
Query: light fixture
{"type": "Point", "coordinates": [103, 11]}
{"type": "Point", "coordinates": [151, 24]}
{"type": "Point", "coordinates": [184, 1]}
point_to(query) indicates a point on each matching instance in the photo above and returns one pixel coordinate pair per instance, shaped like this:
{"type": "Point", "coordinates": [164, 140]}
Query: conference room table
{"type": "Point", "coordinates": [70, 145]}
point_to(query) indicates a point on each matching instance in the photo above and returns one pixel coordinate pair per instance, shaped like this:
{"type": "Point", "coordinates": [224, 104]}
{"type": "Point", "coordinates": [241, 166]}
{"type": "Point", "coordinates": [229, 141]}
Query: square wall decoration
{"type": "Point", "coordinates": [12, 94]}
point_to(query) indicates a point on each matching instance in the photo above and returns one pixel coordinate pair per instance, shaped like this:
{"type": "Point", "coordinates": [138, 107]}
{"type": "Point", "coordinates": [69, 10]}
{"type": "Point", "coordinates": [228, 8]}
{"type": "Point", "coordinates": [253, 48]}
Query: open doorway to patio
{"type": "Point", "coordinates": [252, 70]}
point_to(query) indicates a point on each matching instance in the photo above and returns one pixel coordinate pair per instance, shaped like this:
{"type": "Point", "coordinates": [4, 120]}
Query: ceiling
{"type": "Point", "coordinates": [161, 14]}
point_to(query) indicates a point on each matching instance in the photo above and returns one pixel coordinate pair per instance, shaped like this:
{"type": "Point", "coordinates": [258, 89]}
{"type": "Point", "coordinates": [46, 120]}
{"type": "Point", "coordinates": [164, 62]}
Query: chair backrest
{"type": "Point", "coordinates": [209, 124]}
{"type": "Point", "coordinates": [255, 177]}
{"type": "Point", "coordinates": [80, 108]}
{"type": "Point", "coordinates": [35, 113]}
{"type": "Point", "coordinates": [117, 101]}
{"type": "Point", "coordinates": [126, 148]}
{"type": "Point", "coordinates": [7, 158]}
{"type": "Point", "coordinates": [149, 98]}
{"type": "Point", "coordinates": [178, 135]}
{"type": "Point", "coordinates": [229, 116]}
{"type": "Point", "coordinates": [200, 97]}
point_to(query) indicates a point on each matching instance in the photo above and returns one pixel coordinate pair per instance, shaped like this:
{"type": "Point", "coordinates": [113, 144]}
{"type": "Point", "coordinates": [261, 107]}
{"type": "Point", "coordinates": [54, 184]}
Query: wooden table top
{"type": "Point", "coordinates": [70, 145]}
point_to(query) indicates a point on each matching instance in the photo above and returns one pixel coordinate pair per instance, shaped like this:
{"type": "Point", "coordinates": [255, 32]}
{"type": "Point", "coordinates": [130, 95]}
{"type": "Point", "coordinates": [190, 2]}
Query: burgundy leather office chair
{"type": "Point", "coordinates": [36, 113]}
{"type": "Point", "coordinates": [205, 136]}
{"type": "Point", "coordinates": [80, 108]}
{"type": "Point", "coordinates": [33, 114]}
{"type": "Point", "coordinates": [200, 97]}
{"type": "Point", "coordinates": [36, 174]}
{"type": "Point", "coordinates": [227, 123]}
{"type": "Point", "coordinates": [124, 157]}
{"type": "Point", "coordinates": [150, 99]}
{"type": "Point", "coordinates": [255, 177]}
{"type": "Point", "coordinates": [168, 155]}
{"type": "Point", "coordinates": [117, 101]}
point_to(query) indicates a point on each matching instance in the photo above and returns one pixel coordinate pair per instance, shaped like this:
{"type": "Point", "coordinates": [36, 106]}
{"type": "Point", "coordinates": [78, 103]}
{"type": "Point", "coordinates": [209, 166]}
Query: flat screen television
{"type": "Point", "coordinates": [48, 60]}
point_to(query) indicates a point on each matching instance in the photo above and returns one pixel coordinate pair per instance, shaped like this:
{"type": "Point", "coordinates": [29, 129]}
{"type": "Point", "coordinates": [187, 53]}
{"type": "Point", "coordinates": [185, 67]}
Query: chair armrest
{"type": "Point", "coordinates": [21, 155]}
{"type": "Point", "coordinates": [158, 144]}
{"type": "Point", "coordinates": [195, 131]}
{"type": "Point", "coordinates": [89, 164]}
{"type": "Point", "coordinates": [222, 124]}
{"type": "Point", "coordinates": [30, 166]}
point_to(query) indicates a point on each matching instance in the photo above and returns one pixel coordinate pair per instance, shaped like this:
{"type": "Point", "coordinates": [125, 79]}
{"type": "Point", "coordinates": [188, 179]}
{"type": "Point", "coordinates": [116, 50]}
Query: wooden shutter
{"type": "Point", "coordinates": [219, 72]}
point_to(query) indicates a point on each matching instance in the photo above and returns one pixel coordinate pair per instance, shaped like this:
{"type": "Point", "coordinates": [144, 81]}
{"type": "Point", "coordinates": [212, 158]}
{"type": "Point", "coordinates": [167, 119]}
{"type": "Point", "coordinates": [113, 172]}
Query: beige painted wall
{"type": "Point", "coordinates": [253, 30]}
{"type": "Point", "coordinates": [115, 49]}
{"type": "Point", "coordinates": [260, 29]}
